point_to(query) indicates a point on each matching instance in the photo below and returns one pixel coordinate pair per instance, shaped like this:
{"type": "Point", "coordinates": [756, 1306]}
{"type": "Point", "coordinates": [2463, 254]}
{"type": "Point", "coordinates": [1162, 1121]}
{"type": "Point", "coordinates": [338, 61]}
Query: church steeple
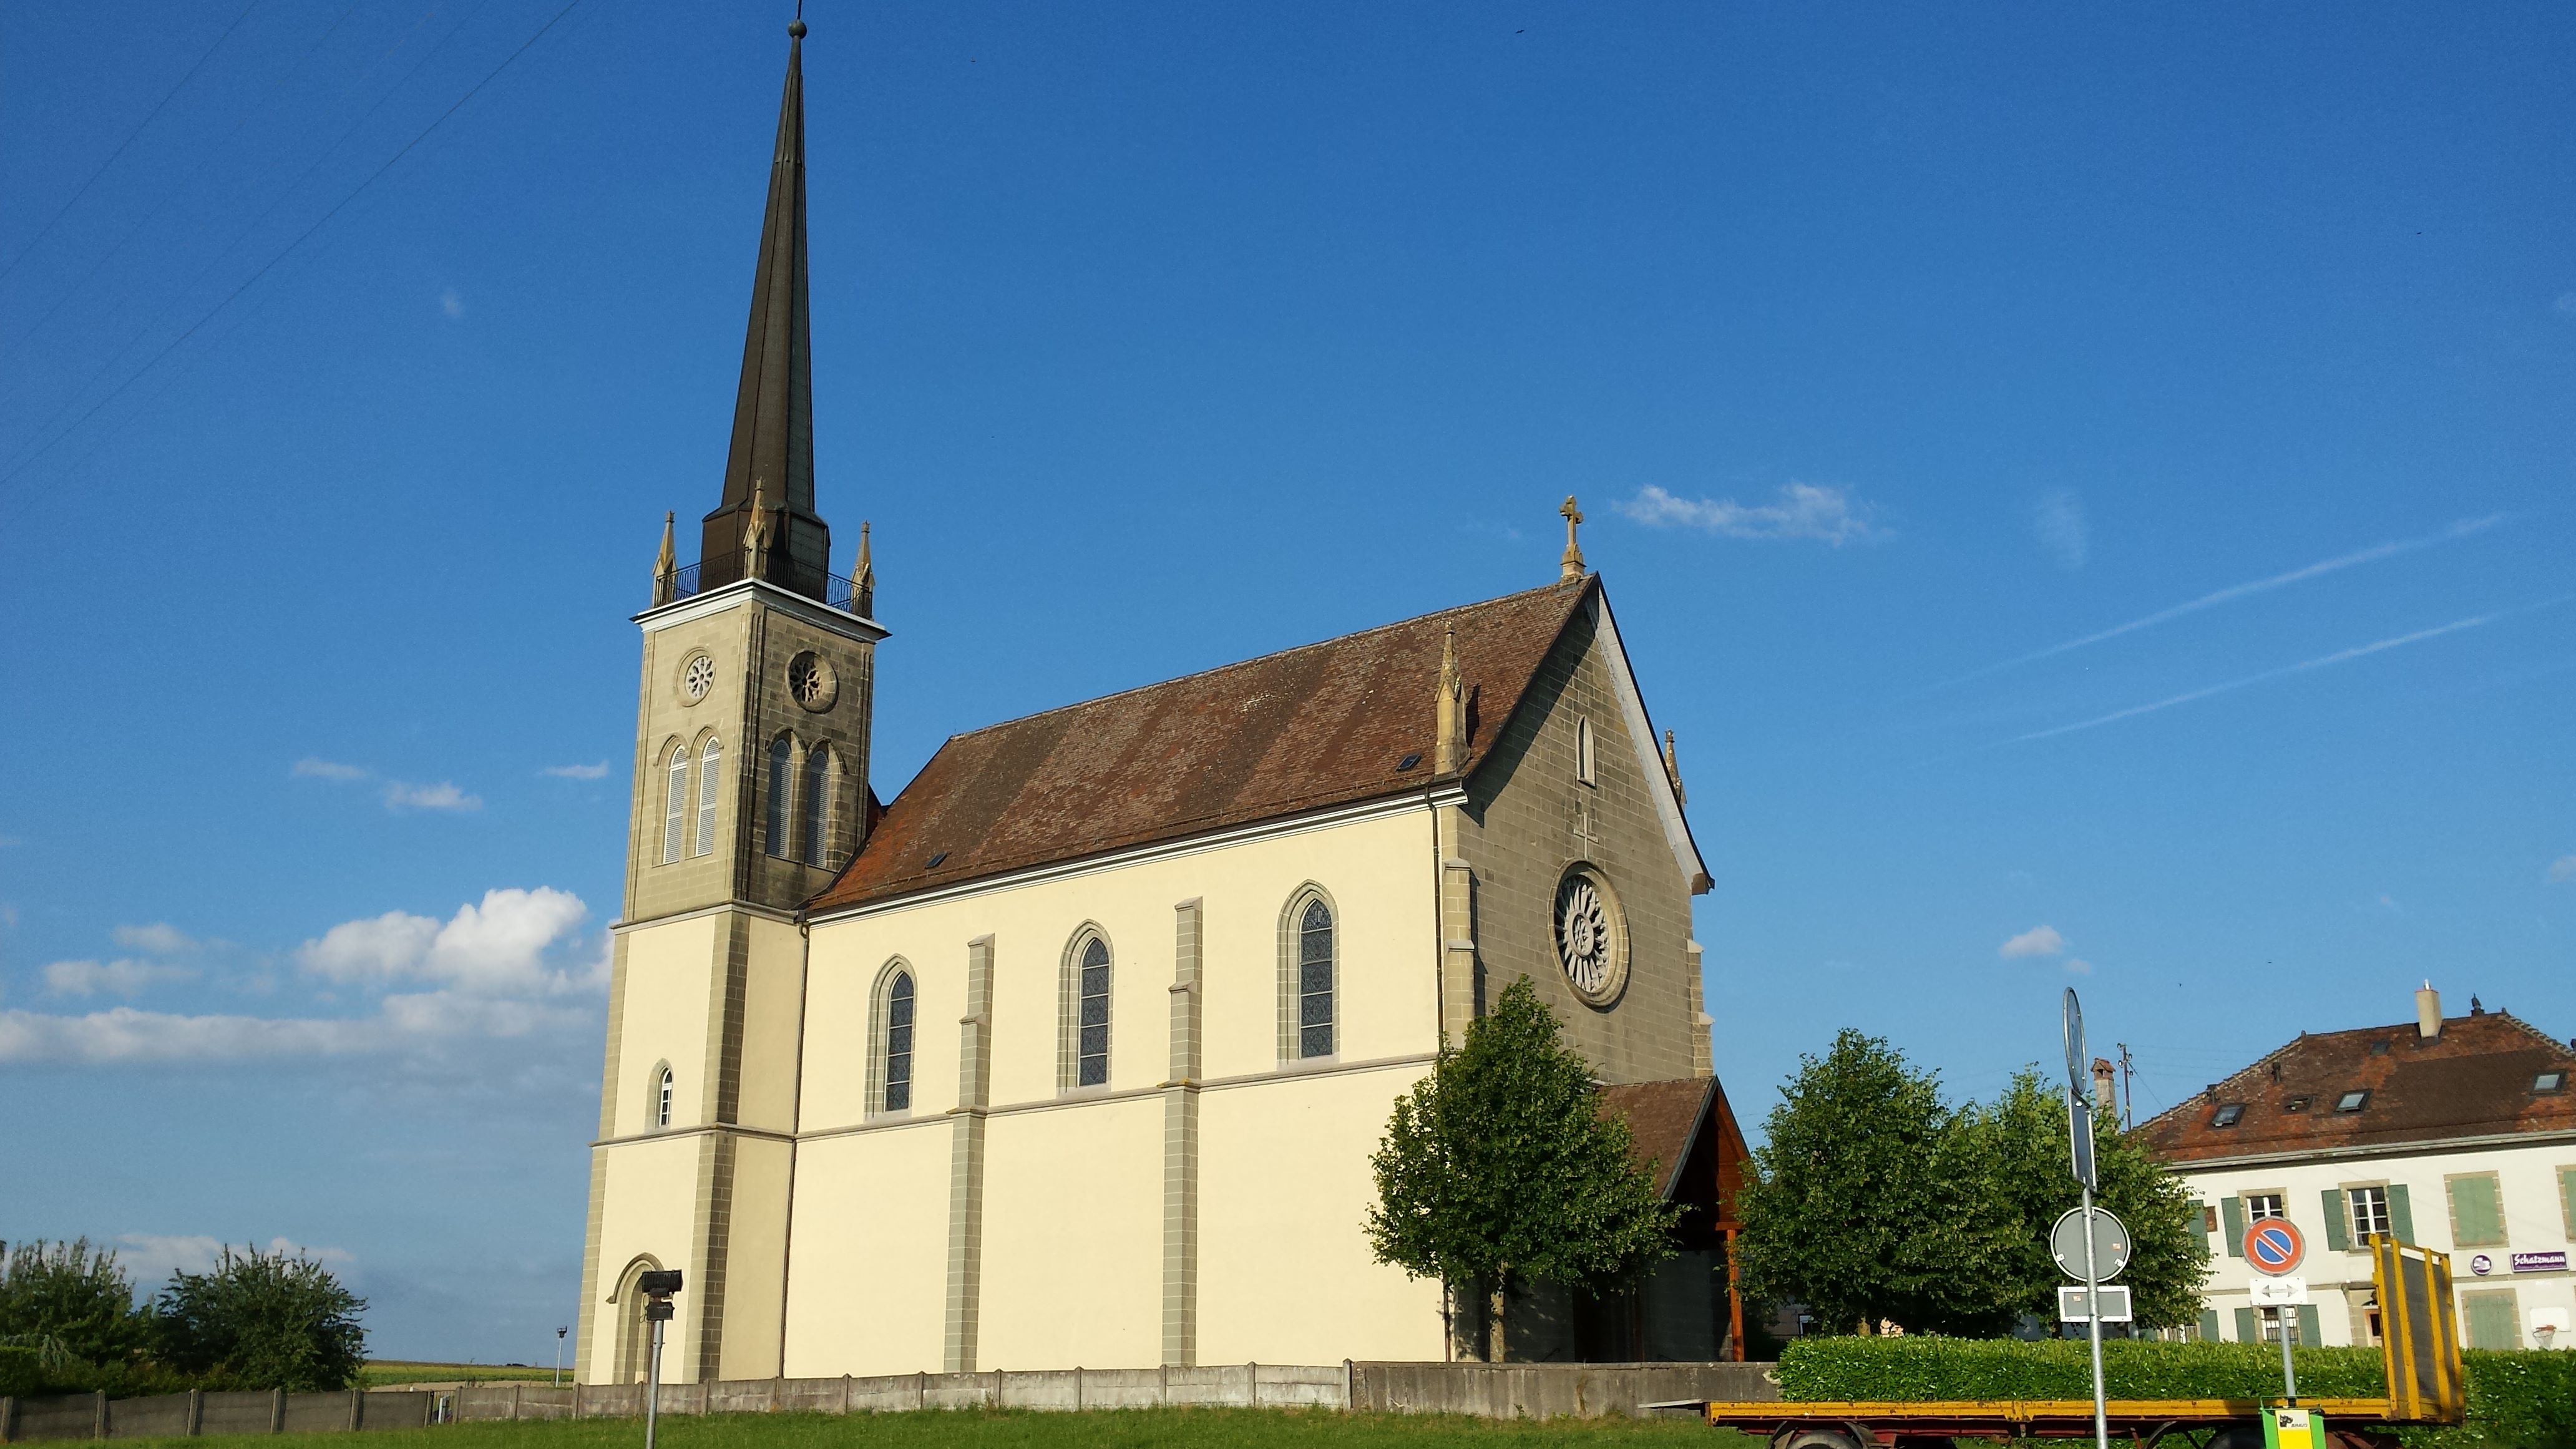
{"type": "Point", "coordinates": [773, 417]}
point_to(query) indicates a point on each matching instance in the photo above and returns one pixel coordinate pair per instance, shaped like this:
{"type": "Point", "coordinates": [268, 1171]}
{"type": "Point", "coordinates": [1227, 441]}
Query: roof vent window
{"type": "Point", "coordinates": [2549, 1081]}
{"type": "Point", "coordinates": [2297, 1104]}
{"type": "Point", "coordinates": [2379, 1048]}
{"type": "Point", "coordinates": [2353, 1101]}
{"type": "Point", "coordinates": [935, 860]}
{"type": "Point", "coordinates": [2229, 1115]}
{"type": "Point", "coordinates": [1408, 762]}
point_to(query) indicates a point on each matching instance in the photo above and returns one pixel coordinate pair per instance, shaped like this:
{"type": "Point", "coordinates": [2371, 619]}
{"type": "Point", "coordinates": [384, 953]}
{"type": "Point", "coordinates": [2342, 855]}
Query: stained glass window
{"type": "Point", "coordinates": [1091, 1051]}
{"type": "Point", "coordinates": [814, 819]}
{"type": "Point", "coordinates": [898, 1044]}
{"type": "Point", "coordinates": [1315, 981]}
{"type": "Point", "coordinates": [710, 776]}
{"type": "Point", "coordinates": [781, 777]}
{"type": "Point", "coordinates": [675, 816]}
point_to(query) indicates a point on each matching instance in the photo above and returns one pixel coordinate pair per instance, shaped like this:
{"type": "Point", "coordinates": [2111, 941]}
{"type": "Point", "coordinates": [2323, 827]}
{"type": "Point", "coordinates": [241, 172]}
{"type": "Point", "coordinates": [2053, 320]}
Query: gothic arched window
{"type": "Point", "coordinates": [782, 776]}
{"type": "Point", "coordinates": [1308, 957]}
{"type": "Point", "coordinates": [814, 816]}
{"type": "Point", "coordinates": [894, 1042]}
{"type": "Point", "coordinates": [662, 1098]}
{"type": "Point", "coordinates": [710, 775]}
{"type": "Point", "coordinates": [675, 809]}
{"type": "Point", "coordinates": [1085, 1042]}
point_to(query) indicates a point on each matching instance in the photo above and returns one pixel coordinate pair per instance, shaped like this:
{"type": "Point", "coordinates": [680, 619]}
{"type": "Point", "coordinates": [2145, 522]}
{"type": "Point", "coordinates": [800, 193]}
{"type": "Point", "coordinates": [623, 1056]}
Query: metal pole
{"type": "Point", "coordinates": [2282, 1317]}
{"type": "Point", "coordinates": [2092, 1320]}
{"type": "Point", "coordinates": [653, 1385]}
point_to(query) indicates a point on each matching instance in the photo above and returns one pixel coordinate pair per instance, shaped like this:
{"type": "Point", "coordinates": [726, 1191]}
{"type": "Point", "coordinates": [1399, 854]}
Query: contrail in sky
{"type": "Point", "coordinates": [2340, 656]}
{"type": "Point", "coordinates": [2233, 592]}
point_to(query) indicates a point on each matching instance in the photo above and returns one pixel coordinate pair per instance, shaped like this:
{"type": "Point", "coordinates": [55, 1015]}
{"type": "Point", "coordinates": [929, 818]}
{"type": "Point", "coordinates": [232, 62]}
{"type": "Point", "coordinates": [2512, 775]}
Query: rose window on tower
{"type": "Point", "coordinates": [1589, 937]}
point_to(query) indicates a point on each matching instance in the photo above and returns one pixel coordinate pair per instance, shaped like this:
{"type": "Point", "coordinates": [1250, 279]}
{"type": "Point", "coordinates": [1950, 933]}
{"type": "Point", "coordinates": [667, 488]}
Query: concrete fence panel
{"type": "Point", "coordinates": [397, 1409]}
{"type": "Point", "coordinates": [152, 1416]}
{"type": "Point", "coordinates": [1549, 1390]}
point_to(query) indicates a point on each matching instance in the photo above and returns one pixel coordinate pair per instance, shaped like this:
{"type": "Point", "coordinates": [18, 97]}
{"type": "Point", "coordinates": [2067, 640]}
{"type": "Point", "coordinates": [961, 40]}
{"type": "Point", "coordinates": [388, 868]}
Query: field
{"type": "Point", "coordinates": [1023, 1429]}
{"type": "Point", "coordinates": [387, 1372]}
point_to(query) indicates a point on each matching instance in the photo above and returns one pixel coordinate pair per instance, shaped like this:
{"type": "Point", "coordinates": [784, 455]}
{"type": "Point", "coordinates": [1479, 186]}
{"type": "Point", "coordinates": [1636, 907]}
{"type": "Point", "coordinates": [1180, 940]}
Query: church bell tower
{"type": "Point", "coordinates": [751, 792]}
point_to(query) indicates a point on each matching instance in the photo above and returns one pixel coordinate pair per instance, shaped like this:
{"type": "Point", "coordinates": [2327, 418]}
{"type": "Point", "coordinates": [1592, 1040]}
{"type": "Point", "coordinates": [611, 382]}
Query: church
{"type": "Point", "coordinates": [1075, 1051]}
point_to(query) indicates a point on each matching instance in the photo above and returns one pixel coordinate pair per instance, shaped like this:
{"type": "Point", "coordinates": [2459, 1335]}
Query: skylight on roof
{"type": "Point", "coordinates": [2297, 1104]}
{"type": "Point", "coordinates": [2229, 1115]}
{"type": "Point", "coordinates": [2353, 1101]}
{"type": "Point", "coordinates": [2549, 1081]}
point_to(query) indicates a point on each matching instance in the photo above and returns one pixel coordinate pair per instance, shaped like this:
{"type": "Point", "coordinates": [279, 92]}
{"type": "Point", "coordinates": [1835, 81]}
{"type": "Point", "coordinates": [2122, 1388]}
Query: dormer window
{"type": "Point", "coordinates": [2379, 1048]}
{"type": "Point", "coordinates": [2353, 1101]}
{"type": "Point", "coordinates": [2229, 1115]}
{"type": "Point", "coordinates": [2549, 1081]}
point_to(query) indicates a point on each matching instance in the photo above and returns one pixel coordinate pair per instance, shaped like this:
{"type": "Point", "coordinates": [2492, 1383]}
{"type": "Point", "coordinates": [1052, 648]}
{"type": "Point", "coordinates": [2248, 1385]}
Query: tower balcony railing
{"type": "Point", "coordinates": [835, 591]}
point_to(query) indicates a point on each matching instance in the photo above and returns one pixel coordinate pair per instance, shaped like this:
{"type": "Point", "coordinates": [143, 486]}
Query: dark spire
{"type": "Point", "coordinates": [773, 413]}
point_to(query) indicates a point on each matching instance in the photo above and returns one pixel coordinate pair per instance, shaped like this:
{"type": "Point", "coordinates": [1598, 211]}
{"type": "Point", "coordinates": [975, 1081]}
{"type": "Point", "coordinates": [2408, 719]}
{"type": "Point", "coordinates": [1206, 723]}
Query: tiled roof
{"type": "Point", "coordinates": [1322, 725]}
{"type": "Point", "coordinates": [1663, 1118]}
{"type": "Point", "coordinates": [2474, 1080]}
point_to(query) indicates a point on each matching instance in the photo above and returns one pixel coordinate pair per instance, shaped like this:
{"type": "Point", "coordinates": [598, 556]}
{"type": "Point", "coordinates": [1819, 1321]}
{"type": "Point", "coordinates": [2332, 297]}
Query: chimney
{"type": "Point", "coordinates": [2103, 1095]}
{"type": "Point", "coordinates": [2428, 1013]}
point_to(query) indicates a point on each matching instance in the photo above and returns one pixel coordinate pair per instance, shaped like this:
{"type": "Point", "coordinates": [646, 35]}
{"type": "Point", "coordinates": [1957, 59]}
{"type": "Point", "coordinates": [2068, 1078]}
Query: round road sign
{"type": "Point", "coordinates": [2274, 1247]}
{"type": "Point", "coordinates": [2110, 1244]}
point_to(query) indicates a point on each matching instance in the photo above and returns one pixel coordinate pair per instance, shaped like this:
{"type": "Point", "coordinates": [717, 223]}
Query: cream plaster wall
{"type": "Point", "coordinates": [756, 1258]}
{"type": "Point", "coordinates": [1285, 1274]}
{"type": "Point", "coordinates": [773, 1010]}
{"type": "Point", "coordinates": [870, 1266]}
{"type": "Point", "coordinates": [648, 1207]}
{"type": "Point", "coordinates": [1073, 1236]}
{"type": "Point", "coordinates": [663, 1017]}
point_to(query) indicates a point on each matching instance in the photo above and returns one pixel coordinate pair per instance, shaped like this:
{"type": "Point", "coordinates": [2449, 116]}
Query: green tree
{"type": "Point", "coordinates": [263, 1321]}
{"type": "Point", "coordinates": [1499, 1167]}
{"type": "Point", "coordinates": [1867, 1201]}
{"type": "Point", "coordinates": [67, 1299]}
{"type": "Point", "coordinates": [2025, 1148]}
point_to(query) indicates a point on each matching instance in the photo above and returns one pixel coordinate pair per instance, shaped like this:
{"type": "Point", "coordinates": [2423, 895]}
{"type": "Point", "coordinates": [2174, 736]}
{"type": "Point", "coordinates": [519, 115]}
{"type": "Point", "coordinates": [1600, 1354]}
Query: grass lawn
{"type": "Point", "coordinates": [386, 1372]}
{"type": "Point", "coordinates": [1026, 1429]}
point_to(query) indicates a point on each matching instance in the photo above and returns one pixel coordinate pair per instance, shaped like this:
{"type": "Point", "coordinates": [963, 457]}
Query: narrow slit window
{"type": "Point", "coordinates": [710, 775]}
{"type": "Point", "coordinates": [1315, 981]}
{"type": "Point", "coordinates": [781, 785]}
{"type": "Point", "coordinates": [1091, 1045]}
{"type": "Point", "coordinates": [662, 1100]}
{"type": "Point", "coordinates": [898, 1044]}
{"type": "Point", "coordinates": [675, 817]}
{"type": "Point", "coordinates": [1583, 751]}
{"type": "Point", "coordinates": [815, 814]}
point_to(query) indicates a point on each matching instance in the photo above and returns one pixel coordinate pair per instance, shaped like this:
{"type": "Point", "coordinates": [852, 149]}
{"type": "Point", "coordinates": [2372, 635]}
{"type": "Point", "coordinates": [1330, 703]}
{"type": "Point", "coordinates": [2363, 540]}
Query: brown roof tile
{"type": "Point", "coordinates": [2475, 1080]}
{"type": "Point", "coordinates": [1326, 724]}
{"type": "Point", "coordinates": [1663, 1118]}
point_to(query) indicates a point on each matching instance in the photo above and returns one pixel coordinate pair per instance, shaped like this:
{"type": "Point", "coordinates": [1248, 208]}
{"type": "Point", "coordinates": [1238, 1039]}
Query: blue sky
{"type": "Point", "coordinates": [2089, 492]}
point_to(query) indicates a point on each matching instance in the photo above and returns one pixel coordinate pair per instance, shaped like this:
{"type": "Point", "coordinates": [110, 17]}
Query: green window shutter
{"type": "Point", "coordinates": [2338, 1221]}
{"type": "Point", "coordinates": [2245, 1331]}
{"type": "Point", "coordinates": [2209, 1325]}
{"type": "Point", "coordinates": [2477, 1219]}
{"type": "Point", "coordinates": [2401, 1213]}
{"type": "Point", "coordinates": [2491, 1322]}
{"type": "Point", "coordinates": [2567, 1199]}
{"type": "Point", "coordinates": [2309, 1333]}
{"type": "Point", "coordinates": [2231, 1225]}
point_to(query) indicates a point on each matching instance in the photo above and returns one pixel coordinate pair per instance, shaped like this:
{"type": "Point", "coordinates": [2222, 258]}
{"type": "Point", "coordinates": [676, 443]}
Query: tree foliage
{"type": "Point", "coordinates": [1499, 1166]}
{"type": "Point", "coordinates": [1874, 1202]}
{"type": "Point", "coordinates": [70, 1300]}
{"type": "Point", "coordinates": [263, 1320]}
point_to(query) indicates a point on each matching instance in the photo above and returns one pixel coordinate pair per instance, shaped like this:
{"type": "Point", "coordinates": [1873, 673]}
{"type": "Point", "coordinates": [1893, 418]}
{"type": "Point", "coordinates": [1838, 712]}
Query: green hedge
{"type": "Point", "coordinates": [2524, 1400]}
{"type": "Point", "coordinates": [30, 1373]}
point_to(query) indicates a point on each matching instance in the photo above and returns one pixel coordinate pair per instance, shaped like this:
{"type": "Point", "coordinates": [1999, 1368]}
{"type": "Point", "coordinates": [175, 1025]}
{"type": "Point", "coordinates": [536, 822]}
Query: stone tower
{"type": "Point", "coordinates": [751, 791]}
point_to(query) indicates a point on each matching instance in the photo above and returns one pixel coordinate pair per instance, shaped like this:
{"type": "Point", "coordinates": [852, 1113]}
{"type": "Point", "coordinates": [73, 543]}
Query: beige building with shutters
{"type": "Point", "coordinates": [2456, 1133]}
{"type": "Point", "coordinates": [1074, 1053]}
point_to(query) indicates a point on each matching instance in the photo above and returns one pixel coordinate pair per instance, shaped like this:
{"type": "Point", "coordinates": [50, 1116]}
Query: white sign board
{"type": "Point", "coordinates": [2115, 1303]}
{"type": "Point", "coordinates": [2290, 1292]}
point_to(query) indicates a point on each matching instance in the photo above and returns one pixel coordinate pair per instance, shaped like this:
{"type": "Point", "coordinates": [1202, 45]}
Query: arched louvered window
{"type": "Point", "coordinates": [782, 784]}
{"type": "Point", "coordinates": [675, 807]}
{"type": "Point", "coordinates": [1315, 980]}
{"type": "Point", "coordinates": [896, 1048]}
{"type": "Point", "coordinates": [662, 1099]}
{"type": "Point", "coordinates": [710, 776]}
{"type": "Point", "coordinates": [814, 816]}
{"type": "Point", "coordinates": [1085, 1041]}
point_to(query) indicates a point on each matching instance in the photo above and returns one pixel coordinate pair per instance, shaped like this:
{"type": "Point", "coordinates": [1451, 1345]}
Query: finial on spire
{"type": "Point", "coordinates": [1449, 738]}
{"type": "Point", "coordinates": [863, 578]}
{"type": "Point", "coordinates": [1570, 567]}
{"type": "Point", "coordinates": [666, 568]}
{"type": "Point", "coordinates": [1673, 770]}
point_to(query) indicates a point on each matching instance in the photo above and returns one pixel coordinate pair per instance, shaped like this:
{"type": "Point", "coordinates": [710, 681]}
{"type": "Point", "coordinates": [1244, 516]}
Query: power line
{"type": "Point", "coordinates": [283, 252]}
{"type": "Point", "coordinates": [43, 231]}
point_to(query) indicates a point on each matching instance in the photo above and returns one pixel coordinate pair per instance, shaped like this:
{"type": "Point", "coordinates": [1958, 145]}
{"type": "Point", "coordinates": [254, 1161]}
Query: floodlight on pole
{"type": "Point", "coordinates": [560, 1331]}
{"type": "Point", "coordinates": [657, 1288]}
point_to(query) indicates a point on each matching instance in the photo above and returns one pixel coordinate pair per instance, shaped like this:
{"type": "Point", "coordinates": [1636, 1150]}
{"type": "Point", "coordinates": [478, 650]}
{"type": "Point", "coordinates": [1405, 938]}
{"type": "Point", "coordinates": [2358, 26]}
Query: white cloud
{"type": "Point", "coordinates": [2562, 870]}
{"type": "Point", "coordinates": [152, 1259]}
{"type": "Point", "coordinates": [2064, 535]}
{"type": "Point", "coordinates": [1798, 510]}
{"type": "Point", "coordinates": [310, 768]}
{"type": "Point", "coordinates": [2037, 941]}
{"type": "Point", "coordinates": [160, 938]}
{"type": "Point", "coordinates": [2078, 966]}
{"type": "Point", "coordinates": [125, 1036]}
{"type": "Point", "coordinates": [452, 302]}
{"type": "Point", "coordinates": [121, 977]}
{"type": "Point", "coordinates": [577, 772]}
{"type": "Point", "coordinates": [496, 947]}
{"type": "Point", "coordinates": [441, 796]}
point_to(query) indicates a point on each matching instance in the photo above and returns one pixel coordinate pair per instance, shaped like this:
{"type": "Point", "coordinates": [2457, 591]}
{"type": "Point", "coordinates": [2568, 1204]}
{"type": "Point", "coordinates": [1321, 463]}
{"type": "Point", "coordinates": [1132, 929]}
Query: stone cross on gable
{"type": "Point", "coordinates": [1570, 566]}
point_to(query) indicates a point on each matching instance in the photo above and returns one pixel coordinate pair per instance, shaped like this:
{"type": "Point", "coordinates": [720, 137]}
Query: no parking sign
{"type": "Point", "coordinates": [2273, 1246]}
